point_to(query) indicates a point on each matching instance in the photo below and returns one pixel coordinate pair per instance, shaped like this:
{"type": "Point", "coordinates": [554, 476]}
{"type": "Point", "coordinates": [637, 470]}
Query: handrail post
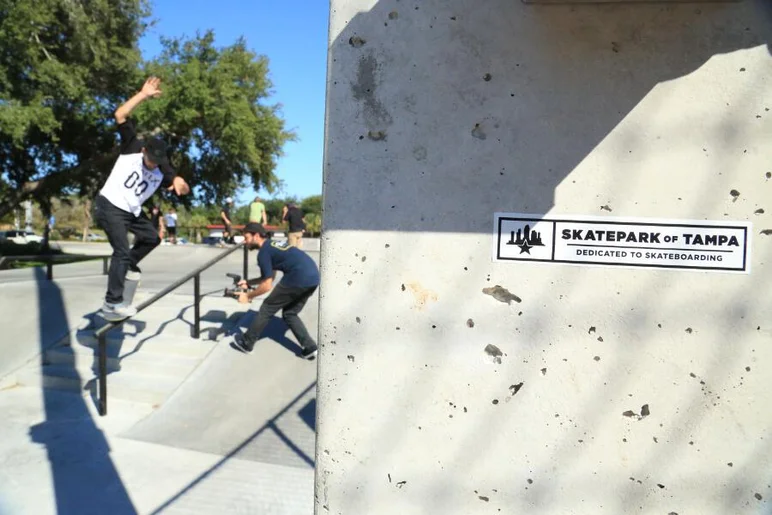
{"type": "Point", "coordinates": [103, 374]}
{"type": "Point", "coordinates": [101, 333]}
{"type": "Point", "coordinates": [104, 265]}
{"type": "Point", "coordinates": [49, 269]}
{"type": "Point", "coordinates": [246, 262]}
{"type": "Point", "coordinates": [196, 307]}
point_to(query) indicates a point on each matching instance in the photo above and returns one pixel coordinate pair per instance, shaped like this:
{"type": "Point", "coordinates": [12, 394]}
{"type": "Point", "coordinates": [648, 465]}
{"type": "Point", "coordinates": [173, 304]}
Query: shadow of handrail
{"type": "Point", "coordinates": [101, 333]}
{"type": "Point", "coordinates": [270, 424]}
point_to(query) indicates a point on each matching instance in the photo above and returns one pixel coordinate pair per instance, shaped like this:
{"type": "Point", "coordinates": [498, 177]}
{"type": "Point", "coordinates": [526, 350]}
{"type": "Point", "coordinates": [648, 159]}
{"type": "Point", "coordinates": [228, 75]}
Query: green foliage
{"type": "Point", "coordinates": [240, 215]}
{"type": "Point", "coordinates": [73, 215]}
{"type": "Point", "coordinates": [313, 224]}
{"type": "Point", "coordinates": [274, 207]}
{"type": "Point", "coordinates": [214, 115]}
{"type": "Point", "coordinates": [312, 204]}
{"type": "Point", "coordinates": [65, 66]}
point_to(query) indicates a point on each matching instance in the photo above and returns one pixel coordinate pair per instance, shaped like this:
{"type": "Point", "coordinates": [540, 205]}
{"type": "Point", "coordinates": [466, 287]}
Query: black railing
{"type": "Point", "coordinates": [101, 333]}
{"type": "Point", "coordinates": [51, 260]}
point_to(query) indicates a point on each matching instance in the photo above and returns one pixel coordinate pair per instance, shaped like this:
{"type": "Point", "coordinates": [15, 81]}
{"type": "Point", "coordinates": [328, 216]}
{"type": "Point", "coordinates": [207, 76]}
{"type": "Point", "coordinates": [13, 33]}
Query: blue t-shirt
{"type": "Point", "coordinates": [299, 269]}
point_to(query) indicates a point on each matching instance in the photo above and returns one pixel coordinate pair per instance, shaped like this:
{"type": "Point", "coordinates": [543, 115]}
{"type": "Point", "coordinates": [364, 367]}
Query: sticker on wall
{"type": "Point", "coordinates": [601, 241]}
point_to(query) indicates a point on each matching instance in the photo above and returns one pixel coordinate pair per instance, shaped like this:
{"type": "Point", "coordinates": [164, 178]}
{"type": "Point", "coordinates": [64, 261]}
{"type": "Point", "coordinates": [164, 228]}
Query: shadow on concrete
{"type": "Point", "coordinates": [277, 331]}
{"type": "Point", "coordinates": [547, 105]}
{"type": "Point", "coordinates": [593, 66]}
{"type": "Point", "coordinates": [270, 425]}
{"type": "Point", "coordinates": [84, 476]}
{"type": "Point", "coordinates": [116, 338]}
{"type": "Point", "coordinates": [308, 414]}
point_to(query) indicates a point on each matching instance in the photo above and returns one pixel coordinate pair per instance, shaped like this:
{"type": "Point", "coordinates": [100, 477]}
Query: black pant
{"type": "Point", "coordinates": [117, 224]}
{"type": "Point", "coordinates": [290, 301]}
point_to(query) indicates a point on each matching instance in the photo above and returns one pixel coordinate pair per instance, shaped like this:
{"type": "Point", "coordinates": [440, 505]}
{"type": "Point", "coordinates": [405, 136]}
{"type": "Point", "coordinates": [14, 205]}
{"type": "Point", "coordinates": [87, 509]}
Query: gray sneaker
{"type": "Point", "coordinates": [117, 312]}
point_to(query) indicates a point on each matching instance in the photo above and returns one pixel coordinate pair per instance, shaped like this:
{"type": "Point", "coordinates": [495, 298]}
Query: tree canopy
{"type": "Point", "coordinates": [65, 66]}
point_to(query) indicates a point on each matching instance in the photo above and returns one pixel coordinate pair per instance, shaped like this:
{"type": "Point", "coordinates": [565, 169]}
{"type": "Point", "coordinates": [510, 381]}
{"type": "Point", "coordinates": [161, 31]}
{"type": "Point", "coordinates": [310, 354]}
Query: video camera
{"type": "Point", "coordinates": [235, 290]}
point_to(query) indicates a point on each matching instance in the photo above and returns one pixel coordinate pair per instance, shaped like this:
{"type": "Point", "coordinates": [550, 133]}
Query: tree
{"type": "Point", "coordinates": [73, 216]}
{"type": "Point", "coordinates": [64, 67]}
{"type": "Point", "coordinates": [312, 204]}
{"type": "Point", "coordinates": [67, 64]}
{"type": "Point", "coordinates": [240, 214]}
{"type": "Point", "coordinates": [214, 115]}
{"type": "Point", "coordinates": [313, 224]}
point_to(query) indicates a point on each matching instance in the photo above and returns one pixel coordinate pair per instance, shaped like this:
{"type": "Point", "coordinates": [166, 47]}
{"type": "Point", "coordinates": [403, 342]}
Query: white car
{"type": "Point", "coordinates": [20, 237]}
{"type": "Point", "coordinates": [31, 236]}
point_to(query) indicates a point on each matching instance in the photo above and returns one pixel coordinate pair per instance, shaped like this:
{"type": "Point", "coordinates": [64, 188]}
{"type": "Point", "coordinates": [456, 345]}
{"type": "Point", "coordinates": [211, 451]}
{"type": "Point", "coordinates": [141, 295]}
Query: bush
{"type": "Point", "coordinates": [313, 224]}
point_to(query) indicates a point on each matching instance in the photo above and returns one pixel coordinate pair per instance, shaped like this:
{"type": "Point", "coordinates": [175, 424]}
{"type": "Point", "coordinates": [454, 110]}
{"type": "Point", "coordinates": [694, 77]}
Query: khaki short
{"type": "Point", "coordinates": [295, 239]}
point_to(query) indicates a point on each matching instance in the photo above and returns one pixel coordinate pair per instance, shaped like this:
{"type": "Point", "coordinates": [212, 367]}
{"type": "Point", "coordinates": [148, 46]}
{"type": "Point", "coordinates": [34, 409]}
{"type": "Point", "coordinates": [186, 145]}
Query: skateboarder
{"type": "Point", "coordinates": [140, 170]}
{"type": "Point", "coordinates": [300, 280]}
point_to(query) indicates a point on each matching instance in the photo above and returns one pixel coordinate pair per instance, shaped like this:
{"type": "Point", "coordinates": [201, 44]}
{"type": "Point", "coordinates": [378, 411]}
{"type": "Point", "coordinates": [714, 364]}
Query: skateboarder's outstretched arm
{"type": "Point", "coordinates": [130, 143]}
{"type": "Point", "coordinates": [151, 89]}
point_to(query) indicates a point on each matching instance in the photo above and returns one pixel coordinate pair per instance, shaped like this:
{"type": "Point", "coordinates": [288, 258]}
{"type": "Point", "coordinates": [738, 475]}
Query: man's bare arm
{"type": "Point", "coordinates": [264, 287]}
{"type": "Point", "coordinates": [151, 89]}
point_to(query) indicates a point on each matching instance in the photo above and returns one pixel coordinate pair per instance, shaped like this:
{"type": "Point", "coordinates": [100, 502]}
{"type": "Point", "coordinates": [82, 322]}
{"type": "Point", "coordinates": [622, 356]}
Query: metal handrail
{"type": "Point", "coordinates": [101, 333]}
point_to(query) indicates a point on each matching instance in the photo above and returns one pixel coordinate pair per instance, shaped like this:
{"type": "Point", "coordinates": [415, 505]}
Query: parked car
{"type": "Point", "coordinates": [20, 237]}
{"type": "Point", "coordinates": [31, 236]}
{"type": "Point", "coordinates": [95, 237]}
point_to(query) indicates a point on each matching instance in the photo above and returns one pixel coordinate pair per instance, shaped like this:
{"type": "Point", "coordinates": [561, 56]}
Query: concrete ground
{"type": "Point", "coordinates": [230, 433]}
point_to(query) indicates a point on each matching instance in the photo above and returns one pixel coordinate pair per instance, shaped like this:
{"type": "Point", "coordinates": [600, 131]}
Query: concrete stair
{"type": "Point", "coordinates": [147, 359]}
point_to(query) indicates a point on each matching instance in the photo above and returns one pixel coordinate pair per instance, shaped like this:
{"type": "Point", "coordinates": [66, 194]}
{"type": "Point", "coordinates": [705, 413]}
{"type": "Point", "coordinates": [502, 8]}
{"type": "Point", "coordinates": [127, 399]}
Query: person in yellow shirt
{"type": "Point", "coordinates": [257, 212]}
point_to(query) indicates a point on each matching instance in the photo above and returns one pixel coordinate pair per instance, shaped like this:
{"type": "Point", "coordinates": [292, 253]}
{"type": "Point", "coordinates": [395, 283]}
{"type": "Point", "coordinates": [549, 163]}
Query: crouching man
{"type": "Point", "coordinates": [299, 282]}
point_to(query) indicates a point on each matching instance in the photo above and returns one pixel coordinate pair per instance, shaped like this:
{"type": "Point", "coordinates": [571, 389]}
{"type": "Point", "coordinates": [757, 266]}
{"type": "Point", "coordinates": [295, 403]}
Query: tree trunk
{"type": "Point", "coordinates": [86, 218]}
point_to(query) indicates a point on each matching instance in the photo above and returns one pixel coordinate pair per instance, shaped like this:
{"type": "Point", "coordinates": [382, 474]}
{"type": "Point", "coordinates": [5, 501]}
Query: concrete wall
{"type": "Point", "coordinates": [442, 112]}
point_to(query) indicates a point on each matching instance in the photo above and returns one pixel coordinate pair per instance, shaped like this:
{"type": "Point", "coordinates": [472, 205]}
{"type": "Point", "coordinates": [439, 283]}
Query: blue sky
{"type": "Point", "coordinates": [293, 35]}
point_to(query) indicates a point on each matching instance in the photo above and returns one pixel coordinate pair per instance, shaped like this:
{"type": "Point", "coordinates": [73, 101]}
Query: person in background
{"type": "Point", "coordinates": [225, 214]}
{"type": "Point", "coordinates": [157, 219]}
{"type": "Point", "coordinates": [171, 225]}
{"type": "Point", "coordinates": [299, 282]}
{"type": "Point", "coordinates": [257, 212]}
{"type": "Point", "coordinates": [297, 224]}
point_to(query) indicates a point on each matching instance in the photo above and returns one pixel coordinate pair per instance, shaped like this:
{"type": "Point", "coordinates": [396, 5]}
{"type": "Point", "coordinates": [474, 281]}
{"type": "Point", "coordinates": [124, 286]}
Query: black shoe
{"type": "Point", "coordinates": [240, 344]}
{"type": "Point", "coordinates": [309, 353]}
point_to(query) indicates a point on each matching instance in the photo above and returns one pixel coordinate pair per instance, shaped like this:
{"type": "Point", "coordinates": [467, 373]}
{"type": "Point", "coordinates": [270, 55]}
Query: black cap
{"type": "Point", "coordinates": [156, 150]}
{"type": "Point", "coordinates": [256, 228]}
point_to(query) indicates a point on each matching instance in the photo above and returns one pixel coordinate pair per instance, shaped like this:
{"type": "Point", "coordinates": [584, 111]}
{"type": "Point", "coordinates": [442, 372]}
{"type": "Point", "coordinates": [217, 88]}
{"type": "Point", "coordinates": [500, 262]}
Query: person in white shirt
{"type": "Point", "coordinates": [141, 168]}
{"type": "Point", "coordinates": [171, 225]}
